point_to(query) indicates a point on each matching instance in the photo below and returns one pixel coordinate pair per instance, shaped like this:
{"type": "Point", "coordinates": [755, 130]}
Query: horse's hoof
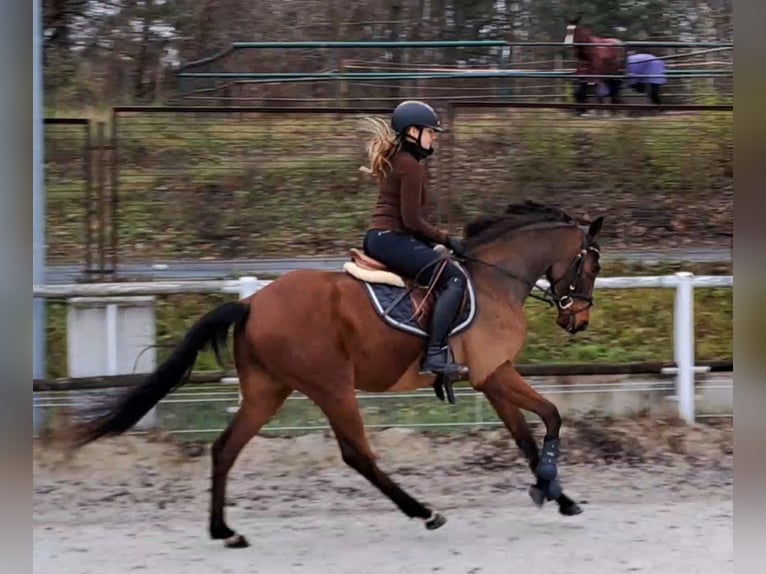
{"type": "Point", "coordinates": [435, 521]}
{"type": "Point", "coordinates": [571, 510]}
{"type": "Point", "coordinates": [553, 490]}
{"type": "Point", "coordinates": [537, 496]}
{"type": "Point", "coordinates": [236, 541]}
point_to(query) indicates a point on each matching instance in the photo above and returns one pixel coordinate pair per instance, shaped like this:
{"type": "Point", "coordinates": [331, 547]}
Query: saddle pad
{"type": "Point", "coordinates": [394, 306]}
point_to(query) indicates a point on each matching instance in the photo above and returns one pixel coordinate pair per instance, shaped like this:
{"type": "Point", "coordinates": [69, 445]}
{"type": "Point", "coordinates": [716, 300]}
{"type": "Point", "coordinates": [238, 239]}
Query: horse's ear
{"type": "Point", "coordinates": [595, 227]}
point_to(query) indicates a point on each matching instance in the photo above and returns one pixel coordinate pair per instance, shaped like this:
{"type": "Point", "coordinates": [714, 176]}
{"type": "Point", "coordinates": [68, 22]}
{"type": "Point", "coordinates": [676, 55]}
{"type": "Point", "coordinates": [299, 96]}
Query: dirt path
{"type": "Point", "coordinates": [657, 498]}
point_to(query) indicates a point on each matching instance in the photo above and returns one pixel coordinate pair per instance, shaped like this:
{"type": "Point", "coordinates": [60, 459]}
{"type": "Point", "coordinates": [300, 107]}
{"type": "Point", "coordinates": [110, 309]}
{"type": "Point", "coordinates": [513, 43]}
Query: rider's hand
{"type": "Point", "coordinates": [455, 245]}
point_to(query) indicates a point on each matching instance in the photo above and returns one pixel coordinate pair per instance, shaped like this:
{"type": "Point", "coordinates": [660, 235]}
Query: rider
{"type": "Point", "coordinates": [399, 235]}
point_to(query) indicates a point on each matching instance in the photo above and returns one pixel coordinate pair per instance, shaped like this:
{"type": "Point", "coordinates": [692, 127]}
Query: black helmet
{"type": "Point", "coordinates": [414, 113]}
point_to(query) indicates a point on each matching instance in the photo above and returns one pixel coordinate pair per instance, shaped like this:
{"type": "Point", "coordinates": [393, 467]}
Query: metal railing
{"type": "Point", "coordinates": [382, 410]}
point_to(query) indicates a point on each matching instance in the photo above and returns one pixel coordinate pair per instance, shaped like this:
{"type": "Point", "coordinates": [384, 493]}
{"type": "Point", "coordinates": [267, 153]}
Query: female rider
{"type": "Point", "coordinates": [399, 235]}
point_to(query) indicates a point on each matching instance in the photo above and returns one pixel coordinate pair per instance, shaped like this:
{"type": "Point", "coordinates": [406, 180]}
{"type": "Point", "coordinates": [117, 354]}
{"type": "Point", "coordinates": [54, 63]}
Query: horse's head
{"type": "Point", "coordinates": [530, 240]}
{"type": "Point", "coordinates": [572, 281]}
{"type": "Point", "coordinates": [571, 29]}
{"type": "Point", "coordinates": [574, 32]}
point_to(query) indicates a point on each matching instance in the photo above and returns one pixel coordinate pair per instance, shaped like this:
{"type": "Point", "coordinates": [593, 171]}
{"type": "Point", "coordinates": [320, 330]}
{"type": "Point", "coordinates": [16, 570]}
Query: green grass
{"type": "Point", "coordinates": [251, 185]}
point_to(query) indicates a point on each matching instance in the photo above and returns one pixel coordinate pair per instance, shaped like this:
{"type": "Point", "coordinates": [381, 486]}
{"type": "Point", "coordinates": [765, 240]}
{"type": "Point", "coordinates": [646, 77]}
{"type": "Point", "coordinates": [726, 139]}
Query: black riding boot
{"type": "Point", "coordinates": [437, 359]}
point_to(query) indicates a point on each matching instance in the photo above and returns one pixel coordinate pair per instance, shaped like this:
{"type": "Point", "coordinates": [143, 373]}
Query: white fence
{"type": "Point", "coordinates": [683, 310]}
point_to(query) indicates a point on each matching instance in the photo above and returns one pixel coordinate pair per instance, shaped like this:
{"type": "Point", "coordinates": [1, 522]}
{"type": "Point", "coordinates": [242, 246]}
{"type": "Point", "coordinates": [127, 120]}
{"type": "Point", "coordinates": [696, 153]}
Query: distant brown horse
{"type": "Point", "coordinates": [326, 334]}
{"type": "Point", "coordinates": [607, 59]}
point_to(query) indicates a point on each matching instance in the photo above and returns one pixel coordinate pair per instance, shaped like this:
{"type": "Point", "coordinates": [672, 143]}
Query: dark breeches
{"type": "Point", "coordinates": [409, 257]}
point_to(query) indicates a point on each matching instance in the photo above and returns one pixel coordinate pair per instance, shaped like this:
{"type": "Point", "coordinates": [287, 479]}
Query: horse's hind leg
{"type": "Point", "coordinates": [261, 399]}
{"type": "Point", "coordinates": [615, 87]}
{"type": "Point", "coordinates": [342, 410]}
{"type": "Point", "coordinates": [654, 94]}
{"type": "Point", "coordinates": [515, 422]}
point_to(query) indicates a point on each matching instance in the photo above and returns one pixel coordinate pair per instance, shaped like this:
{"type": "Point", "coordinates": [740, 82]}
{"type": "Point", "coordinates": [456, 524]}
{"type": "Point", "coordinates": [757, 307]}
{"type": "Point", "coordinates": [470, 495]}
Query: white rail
{"type": "Point", "coordinates": [683, 309]}
{"type": "Point", "coordinates": [248, 285]}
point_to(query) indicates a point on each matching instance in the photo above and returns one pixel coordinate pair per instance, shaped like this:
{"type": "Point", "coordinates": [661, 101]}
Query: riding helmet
{"type": "Point", "coordinates": [414, 113]}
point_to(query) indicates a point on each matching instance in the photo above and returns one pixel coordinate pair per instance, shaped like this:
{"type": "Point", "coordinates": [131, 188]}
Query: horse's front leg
{"type": "Point", "coordinates": [508, 392]}
{"type": "Point", "coordinates": [580, 96]}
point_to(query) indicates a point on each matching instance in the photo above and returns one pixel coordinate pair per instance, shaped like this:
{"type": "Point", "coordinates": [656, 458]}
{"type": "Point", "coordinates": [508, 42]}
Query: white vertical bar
{"type": "Point", "coordinates": [683, 335]}
{"type": "Point", "coordinates": [247, 286]}
{"type": "Point", "coordinates": [38, 208]}
{"type": "Point", "coordinates": [111, 339]}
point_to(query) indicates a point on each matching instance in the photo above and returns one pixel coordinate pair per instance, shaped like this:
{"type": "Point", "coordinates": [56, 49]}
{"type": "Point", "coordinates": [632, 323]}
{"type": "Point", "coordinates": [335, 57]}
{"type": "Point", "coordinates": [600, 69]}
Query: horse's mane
{"type": "Point", "coordinates": [586, 31]}
{"type": "Point", "coordinates": [517, 215]}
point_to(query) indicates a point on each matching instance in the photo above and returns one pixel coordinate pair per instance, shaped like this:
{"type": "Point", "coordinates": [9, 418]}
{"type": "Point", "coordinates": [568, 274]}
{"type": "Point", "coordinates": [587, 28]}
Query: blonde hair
{"type": "Point", "coordinates": [383, 144]}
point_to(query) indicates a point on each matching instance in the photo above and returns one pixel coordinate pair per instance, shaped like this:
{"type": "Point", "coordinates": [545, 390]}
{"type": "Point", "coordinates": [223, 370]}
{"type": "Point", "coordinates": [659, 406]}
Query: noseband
{"type": "Point", "coordinates": [567, 300]}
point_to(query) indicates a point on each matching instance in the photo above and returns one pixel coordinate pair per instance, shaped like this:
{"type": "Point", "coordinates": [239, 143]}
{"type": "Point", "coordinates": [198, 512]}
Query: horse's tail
{"type": "Point", "coordinates": [211, 329]}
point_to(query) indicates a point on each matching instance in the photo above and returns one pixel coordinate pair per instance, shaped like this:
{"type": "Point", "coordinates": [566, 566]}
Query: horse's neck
{"type": "Point", "coordinates": [547, 241]}
{"type": "Point", "coordinates": [529, 252]}
{"type": "Point", "coordinates": [583, 52]}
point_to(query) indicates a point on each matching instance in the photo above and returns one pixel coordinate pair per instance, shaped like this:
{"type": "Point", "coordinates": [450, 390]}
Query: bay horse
{"type": "Point", "coordinates": [327, 334]}
{"type": "Point", "coordinates": [607, 59]}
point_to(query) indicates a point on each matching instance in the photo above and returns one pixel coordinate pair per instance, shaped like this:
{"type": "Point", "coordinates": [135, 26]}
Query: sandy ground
{"type": "Point", "coordinates": [657, 498]}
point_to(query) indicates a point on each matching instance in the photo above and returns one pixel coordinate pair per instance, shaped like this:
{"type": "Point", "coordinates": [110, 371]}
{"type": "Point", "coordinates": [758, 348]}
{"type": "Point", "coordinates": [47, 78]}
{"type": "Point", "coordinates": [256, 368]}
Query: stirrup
{"type": "Point", "coordinates": [444, 365]}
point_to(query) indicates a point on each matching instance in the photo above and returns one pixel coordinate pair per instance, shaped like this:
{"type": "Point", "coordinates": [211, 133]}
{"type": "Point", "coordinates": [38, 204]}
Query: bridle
{"type": "Point", "coordinates": [549, 294]}
{"type": "Point", "coordinates": [565, 302]}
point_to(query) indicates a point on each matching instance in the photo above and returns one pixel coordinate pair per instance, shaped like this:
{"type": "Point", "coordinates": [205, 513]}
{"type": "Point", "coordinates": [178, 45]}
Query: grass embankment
{"type": "Point", "coordinates": [247, 185]}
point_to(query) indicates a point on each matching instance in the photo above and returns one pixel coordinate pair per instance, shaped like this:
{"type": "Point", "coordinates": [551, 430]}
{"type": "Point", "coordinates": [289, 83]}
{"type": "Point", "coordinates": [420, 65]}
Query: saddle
{"type": "Point", "coordinates": [370, 270]}
{"type": "Point", "coordinates": [406, 305]}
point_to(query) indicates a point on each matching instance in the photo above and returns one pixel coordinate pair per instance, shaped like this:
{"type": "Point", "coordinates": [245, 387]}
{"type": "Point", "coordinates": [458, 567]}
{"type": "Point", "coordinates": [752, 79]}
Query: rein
{"type": "Point", "coordinates": [549, 295]}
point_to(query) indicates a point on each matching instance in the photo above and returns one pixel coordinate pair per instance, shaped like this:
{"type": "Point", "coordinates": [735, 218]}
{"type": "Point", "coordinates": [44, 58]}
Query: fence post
{"type": "Point", "coordinates": [247, 286]}
{"type": "Point", "coordinates": [109, 336]}
{"type": "Point", "coordinates": [683, 344]}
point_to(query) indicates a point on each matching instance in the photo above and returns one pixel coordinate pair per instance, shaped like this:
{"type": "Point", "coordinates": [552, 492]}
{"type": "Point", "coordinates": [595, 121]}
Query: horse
{"type": "Point", "coordinates": [607, 59]}
{"type": "Point", "coordinates": [645, 74]}
{"type": "Point", "coordinates": [327, 334]}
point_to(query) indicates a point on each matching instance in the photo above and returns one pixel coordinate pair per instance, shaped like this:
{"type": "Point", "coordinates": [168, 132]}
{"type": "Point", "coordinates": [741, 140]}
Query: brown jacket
{"type": "Point", "coordinates": [402, 200]}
